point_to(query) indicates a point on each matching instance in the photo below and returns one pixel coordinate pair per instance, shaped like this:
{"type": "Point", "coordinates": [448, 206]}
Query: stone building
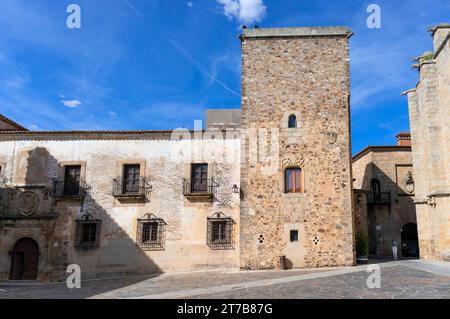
{"type": "Point", "coordinates": [118, 202]}
{"type": "Point", "coordinates": [429, 113]}
{"type": "Point", "coordinates": [383, 181]}
{"type": "Point", "coordinates": [296, 176]}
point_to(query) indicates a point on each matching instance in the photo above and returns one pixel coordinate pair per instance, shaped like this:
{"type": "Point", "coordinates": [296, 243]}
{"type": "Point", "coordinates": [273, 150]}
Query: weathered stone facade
{"type": "Point", "coordinates": [302, 72]}
{"type": "Point", "coordinates": [386, 212]}
{"type": "Point", "coordinates": [430, 128]}
{"type": "Point", "coordinates": [296, 88]}
{"type": "Point", "coordinates": [32, 161]}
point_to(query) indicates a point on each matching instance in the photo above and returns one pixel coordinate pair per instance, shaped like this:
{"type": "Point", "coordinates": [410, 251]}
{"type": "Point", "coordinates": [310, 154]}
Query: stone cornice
{"type": "Point", "coordinates": [384, 148]}
{"type": "Point", "coordinates": [408, 91]}
{"type": "Point", "coordinates": [440, 26]}
{"type": "Point", "coordinates": [295, 32]}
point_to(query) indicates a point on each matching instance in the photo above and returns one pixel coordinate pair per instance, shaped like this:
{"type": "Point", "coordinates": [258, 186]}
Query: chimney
{"type": "Point", "coordinates": [404, 139]}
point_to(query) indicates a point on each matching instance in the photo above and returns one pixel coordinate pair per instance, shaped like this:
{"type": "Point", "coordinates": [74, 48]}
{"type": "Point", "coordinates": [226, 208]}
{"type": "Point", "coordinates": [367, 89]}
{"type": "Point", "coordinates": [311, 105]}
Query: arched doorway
{"type": "Point", "coordinates": [410, 240]}
{"type": "Point", "coordinates": [24, 264]}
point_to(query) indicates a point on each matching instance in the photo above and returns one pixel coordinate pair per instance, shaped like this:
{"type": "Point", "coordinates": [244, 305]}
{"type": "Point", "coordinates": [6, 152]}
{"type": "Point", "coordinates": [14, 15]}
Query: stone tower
{"type": "Point", "coordinates": [429, 115]}
{"type": "Point", "coordinates": [296, 181]}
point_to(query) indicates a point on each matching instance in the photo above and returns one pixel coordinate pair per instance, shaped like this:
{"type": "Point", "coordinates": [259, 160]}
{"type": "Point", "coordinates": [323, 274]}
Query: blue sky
{"type": "Point", "coordinates": [158, 64]}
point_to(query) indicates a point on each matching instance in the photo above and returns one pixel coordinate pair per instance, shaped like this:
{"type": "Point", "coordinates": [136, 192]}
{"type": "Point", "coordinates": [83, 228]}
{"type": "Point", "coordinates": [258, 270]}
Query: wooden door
{"type": "Point", "coordinates": [18, 265]}
{"type": "Point", "coordinates": [25, 255]}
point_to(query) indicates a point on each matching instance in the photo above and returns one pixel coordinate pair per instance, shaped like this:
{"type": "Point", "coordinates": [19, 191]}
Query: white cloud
{"type": "Point", "coordinates": [245, 11]}
{"type": "Point", "coordinates": [190, 4]}
{"type": "Point", "coordinates": [71, 103]}
{"type": "Point", "coordinates": [112, 113]}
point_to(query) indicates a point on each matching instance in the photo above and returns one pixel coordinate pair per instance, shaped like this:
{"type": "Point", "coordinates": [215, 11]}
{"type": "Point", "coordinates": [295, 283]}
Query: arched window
{"type": "Point", "coordinates": [292, 121]}
{"type": "Point", "coordinates": [293, 182]}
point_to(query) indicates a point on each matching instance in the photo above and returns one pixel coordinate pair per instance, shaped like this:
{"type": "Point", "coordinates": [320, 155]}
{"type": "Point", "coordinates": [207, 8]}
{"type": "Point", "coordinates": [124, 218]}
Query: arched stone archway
{"type": "Point", "coordinates": [24, 259]}
{"type": "Point", "coordinates": [410, 240]}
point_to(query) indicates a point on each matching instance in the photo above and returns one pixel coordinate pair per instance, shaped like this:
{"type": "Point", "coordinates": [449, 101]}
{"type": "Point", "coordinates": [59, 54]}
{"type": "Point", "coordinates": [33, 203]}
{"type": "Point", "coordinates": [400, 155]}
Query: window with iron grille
{"type": "Point", "coordinates": [220, 232]}
{"type": "Point", "coordinates": [151, 233]}
{"type": "Point", "coordinates": [87, 235]}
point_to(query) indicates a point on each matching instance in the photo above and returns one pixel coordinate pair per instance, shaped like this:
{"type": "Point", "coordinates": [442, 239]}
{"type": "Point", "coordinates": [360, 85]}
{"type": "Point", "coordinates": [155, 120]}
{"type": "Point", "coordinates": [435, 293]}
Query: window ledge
{"type": "Point", "coordinates": [294, 195]}
{"type": "Point", "coordinates": [199, 197]}
{"type": "Point", "coordinates": [69, 197]}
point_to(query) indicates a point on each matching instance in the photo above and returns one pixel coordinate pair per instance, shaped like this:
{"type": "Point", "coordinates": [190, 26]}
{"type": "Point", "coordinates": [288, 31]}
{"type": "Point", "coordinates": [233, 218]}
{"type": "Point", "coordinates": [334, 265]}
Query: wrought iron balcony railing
{"type": "Point", "coordinates": [378, 198]}
{"type": "Point", "coordinates": [66, 189]}
{"type": "Point", "coordinates": [195, 190]}
{"type": "Point", "coordinates": [139, 187]}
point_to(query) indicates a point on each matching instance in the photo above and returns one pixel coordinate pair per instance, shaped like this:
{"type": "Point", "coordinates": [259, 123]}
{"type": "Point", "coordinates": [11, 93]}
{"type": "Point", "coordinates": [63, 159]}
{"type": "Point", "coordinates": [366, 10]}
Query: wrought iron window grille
{"type": "Point", "coordinates": [87, 233]}
{"type": "Point", "coordinates": [151, 233]}
{"type": "Point", "coordinates": [191, 188]}
{"type": "Point", "coordinates": [70, 189]}
{"type": "Point", "coordinates": [139, 187]}
{"type": "Point", "coordinates": [220, 232]}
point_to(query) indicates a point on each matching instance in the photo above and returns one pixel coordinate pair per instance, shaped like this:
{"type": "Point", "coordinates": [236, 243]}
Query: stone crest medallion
{"type": "Point", "coordinates": [28, 203]}
{"type": "Point", "coordinates": [331, 138]}
{"type": "Point", "coordinates": [409, 183]}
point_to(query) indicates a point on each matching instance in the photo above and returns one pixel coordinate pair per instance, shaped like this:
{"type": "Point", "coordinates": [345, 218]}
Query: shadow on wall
{"type": "Point", "coordinates": [390, 212]}
{"type": "Point", "coordinates": [51, 221]}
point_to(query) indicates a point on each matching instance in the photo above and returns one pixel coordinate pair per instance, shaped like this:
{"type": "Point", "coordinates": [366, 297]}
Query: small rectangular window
{"type": "Point", "coordinates": [220, 232]}
{"type": "Point", "coordinates": [87, 234]}
{"type": "Point", "coordinates": [294, 236]}
{"type": "Point", "coordinates": [151, 233]}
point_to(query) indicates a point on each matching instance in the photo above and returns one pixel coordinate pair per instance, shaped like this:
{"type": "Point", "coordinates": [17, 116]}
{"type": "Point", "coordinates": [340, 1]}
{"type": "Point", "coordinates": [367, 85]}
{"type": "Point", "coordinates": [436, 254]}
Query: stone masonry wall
{"type": "Point", "coordinates": [430, 128]}
{"type": "Point", "coordinates": [385, 221]}
{"type": "Point", "coordinates": [307, 76]}
{"type": "Point", "coordinates": [164, 163]}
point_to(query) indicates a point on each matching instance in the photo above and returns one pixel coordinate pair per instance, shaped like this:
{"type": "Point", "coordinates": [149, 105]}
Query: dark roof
{"type": "Point", "coordinates": [404, 134]}
{"type": "Point", "coordinates": [86, 132]}
{"type": "Point", "coordinates": [12, 123]}
{"type": "Point", "coordinates": [111, 134]}
{"type": "Point", "coordinates": [383, 148]}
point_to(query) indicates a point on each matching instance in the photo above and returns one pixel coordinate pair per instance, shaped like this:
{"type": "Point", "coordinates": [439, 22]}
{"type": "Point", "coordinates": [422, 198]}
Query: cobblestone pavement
{"type": "Point", "coordinates": [402, 279]}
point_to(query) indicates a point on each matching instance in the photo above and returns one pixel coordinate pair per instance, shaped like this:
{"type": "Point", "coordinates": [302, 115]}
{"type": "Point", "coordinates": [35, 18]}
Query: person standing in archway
{"type": "Point", "coordinates": [394, 249]}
